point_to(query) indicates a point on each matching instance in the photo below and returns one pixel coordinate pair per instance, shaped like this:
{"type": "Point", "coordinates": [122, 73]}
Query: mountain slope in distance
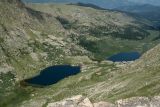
{"type": "Point", "coordinates": [100, 26]}
{"type": "Point", "coordinates": [149, 12]}
{"type": "Point", "coordinates": [108, 4]}
{"type": "Point", "coordinates": [41, 35]}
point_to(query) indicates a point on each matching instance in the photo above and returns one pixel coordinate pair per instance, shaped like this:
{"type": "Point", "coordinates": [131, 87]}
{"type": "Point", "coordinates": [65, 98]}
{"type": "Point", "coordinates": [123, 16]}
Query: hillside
{"type": "Point", "coordinates": [147, 11]}
{"type": "Point", "coordinates": [37, 36]}
{"type": "Point", "coordinates": [101, 28]}
{"type": "Point", "coordinates": [108, 4]}
{"type": "Point", "coordinates": [28, 35]}
{"type": "Point", "coordinates": [107, 83]}
{"type": "Point", "coordinates": [140, 8]}
{"type": "Point", "coordinates": [29, 41]}
{"type": "Point", "coordinates": [104, 3]}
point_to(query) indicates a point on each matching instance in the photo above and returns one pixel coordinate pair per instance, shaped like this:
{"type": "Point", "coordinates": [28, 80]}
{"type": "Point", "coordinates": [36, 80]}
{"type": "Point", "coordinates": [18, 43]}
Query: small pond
{"type": "Point", "coordinates": [53, 74]}
{"type": "Point", "coordinates": [124, 56]}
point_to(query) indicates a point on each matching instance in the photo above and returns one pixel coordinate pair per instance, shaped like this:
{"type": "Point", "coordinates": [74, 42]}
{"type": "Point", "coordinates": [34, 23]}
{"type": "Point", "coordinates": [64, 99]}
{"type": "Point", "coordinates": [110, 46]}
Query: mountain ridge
{"type": "Point", "coordinates": [36, 36]}
{"type": "Point", "coordinates": [103, 3]}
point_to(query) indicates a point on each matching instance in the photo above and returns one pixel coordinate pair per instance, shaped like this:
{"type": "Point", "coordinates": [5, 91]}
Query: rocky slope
{"type": "Point", "coordinates": [132, 85]}
{"type": "Point", "coordinates": [31, 40]}
{"type": "Point", "coordinates": [80, 101]}
{"type": "Point", "coordinates": [96, 29]}
{"type": "Point", "coordinates": [29, 36]}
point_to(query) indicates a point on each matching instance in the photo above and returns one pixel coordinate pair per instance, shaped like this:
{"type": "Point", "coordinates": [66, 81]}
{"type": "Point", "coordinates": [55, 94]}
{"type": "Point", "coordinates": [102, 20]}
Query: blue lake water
{"type": "Point", "coordinates": [52, 75]}
{"type": "Point", "coordinates": [125, 56]}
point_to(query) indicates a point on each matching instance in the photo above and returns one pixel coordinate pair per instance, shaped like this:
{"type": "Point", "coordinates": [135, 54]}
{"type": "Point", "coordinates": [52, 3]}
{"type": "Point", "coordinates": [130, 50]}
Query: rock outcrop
{"type": "Point", "coordinates": [80, 101]}
{"type": "Point", "coordinates": [77, 101]}
{"type": "Point", "coordinates": [31, 40]}
{"type": "Point", "coordinates": [103, 104]}
{"type": "Point", "coordinates": [139, 102]}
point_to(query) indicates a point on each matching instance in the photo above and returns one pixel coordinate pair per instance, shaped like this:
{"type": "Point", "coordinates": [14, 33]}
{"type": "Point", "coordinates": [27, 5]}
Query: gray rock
{"type": "Point", "coordinates": [155, 102]}
{"type": "Point", "coordinates": [77, 101]}
{"type": "Point", "coordinates": [34, 103]}
{"type": "Point", "coordinates": [134, 102]}
{"type": "Point", "coordinates": [6, 69]}
{"type": "Point", "coordinates": [80, 101]}
{"type": "Point", "coordinates": [104, 104]}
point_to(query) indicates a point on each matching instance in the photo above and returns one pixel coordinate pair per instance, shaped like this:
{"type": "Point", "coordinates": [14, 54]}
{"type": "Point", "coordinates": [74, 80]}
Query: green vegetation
{"type": "Point", "coordinates": [66, 23]}
{"type": "Point", "coordinates": [1, 40]}
{"type": "Point", "coordinates": [101, 32]}
{"type": "Point", "coordinates": [31, 40]}
{"type": "Point", "coordinates": [11, 93]}
{"type": "Point", "coordinates": [81, 83]}
{"type": "Point", "coordinates": [131, 33]}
